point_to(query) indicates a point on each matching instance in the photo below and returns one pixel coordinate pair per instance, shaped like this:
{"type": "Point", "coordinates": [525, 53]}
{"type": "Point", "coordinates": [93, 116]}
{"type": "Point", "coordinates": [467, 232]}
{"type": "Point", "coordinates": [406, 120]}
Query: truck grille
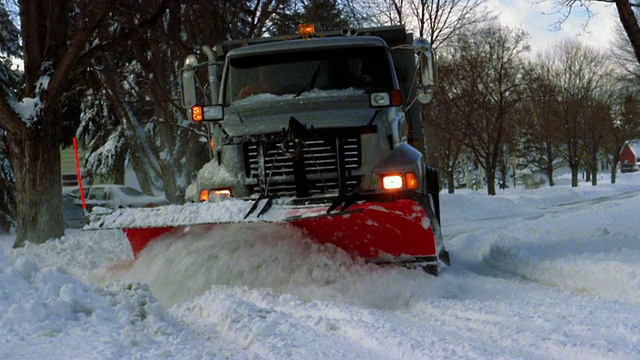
{"type": "Point", "coordinates": [328, 165]}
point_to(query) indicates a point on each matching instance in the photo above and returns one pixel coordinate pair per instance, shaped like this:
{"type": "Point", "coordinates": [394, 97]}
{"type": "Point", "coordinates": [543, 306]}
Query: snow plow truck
{"type": "Point", "coordinates": [322, 132]}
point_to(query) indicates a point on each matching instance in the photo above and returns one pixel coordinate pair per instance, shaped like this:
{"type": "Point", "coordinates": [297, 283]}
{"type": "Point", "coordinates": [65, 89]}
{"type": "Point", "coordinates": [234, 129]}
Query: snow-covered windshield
{"type": "Point", "coordinates": [294, 73]}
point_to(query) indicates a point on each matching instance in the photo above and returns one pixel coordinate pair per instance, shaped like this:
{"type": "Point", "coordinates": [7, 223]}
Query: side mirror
{"type": "Point", "coordinates": [207, 113]}
{"type": "Point", "coordinates": [188, 82]}
{"type": "Point", "coordinates": [426, 82]}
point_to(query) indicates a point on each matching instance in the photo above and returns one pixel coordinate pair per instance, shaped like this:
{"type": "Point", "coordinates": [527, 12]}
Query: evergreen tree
{"type": "Point", "coordinates": [9, 51]}
{"type": "Point", "coordinates": [9, 84]}
{"type": "Point", "coordinates": [324, 14]}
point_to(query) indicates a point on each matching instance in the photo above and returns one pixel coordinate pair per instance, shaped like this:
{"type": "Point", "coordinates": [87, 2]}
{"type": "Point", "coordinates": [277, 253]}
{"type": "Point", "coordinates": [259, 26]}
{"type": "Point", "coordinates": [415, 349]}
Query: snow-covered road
{"type": "Point", "coordinates": [537, 274]}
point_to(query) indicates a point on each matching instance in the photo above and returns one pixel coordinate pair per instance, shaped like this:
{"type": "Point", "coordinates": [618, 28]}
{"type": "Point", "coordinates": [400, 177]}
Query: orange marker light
{"type": "Point", "coordinates": [197, 113]}
{"type": "Point", "coordinates": [204, 195]}
{"type": "Point", "coordinates": [412, 181]}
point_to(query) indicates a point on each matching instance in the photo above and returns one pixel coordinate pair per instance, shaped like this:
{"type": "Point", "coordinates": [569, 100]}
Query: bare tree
{"type": "Point", "coordinates": [540, 123]}
{"type": "Point", "coordinates": [626, 123]}
{"type": "Point", "coordinates": [439, 20]}
{"type": "Point", "coordinates": [490, 67]}
{"type": "Point", "coordinates": [627, 13]}
{"type": "Point", "coordinates": [451, 106]}
{"type": "Point", "coordinates": [379, 12]}
{"type": "Point", "coordinates": [625, 57]}
{"type": "Point", "coordinates": [579, 72]}
{"type": "Point", "coordinates": [597, 123]}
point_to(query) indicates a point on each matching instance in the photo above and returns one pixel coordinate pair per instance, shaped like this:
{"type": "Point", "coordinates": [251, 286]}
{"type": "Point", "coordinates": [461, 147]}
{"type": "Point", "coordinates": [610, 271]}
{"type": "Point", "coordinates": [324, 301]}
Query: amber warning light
{"type": "Point", "coordinates": [306, 30]}
{"type": "Point", "coordinates": [197, 113]}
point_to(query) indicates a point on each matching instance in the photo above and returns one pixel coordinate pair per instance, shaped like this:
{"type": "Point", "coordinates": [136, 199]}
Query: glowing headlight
{"type": "Point", "coordinates": [407, 181]}
{"type": "Point", "coordinates": [214, 195]}
{"type": "Point", "coordinates": [392, 182]}
{"type": "Point", "coordinates": [221, 192]}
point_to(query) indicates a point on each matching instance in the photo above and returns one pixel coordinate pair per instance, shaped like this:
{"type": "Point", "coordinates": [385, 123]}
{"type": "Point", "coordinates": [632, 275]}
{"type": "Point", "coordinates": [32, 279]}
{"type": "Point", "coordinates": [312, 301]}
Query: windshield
{"type": "Point", "coordinates": [361, 68]}
{"type": "Point", "coordinates": [130, 191]}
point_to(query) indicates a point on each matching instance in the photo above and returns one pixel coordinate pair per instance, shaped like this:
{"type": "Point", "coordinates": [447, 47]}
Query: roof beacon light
{"type": "Point", "coordinates": [306, 30]}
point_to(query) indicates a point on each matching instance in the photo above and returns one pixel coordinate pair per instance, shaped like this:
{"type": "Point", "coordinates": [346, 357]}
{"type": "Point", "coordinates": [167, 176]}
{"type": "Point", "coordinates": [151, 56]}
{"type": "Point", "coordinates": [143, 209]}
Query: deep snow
{"type": "Point", "coordinates": [537, 274]}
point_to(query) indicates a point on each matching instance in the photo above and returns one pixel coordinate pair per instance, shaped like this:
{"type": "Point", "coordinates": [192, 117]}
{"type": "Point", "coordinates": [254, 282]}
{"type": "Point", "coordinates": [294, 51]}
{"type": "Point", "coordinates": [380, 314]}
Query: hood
{"type": "Point", "coordinates": [268, 113]}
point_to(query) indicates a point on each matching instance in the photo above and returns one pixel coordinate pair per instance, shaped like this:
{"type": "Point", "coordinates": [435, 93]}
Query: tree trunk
{"type": "Point", "coordinates": [119, 168]}
{"type": "Point", "coordinates": [491, 181]}
{"type": "Point", "coordinates": [504, 169]}
{"type": "Point", "coordinates": [594, 169]}
{"type": "Point", "coordinates": [170, 167]}
{"type": "Point", "coordinates": [451, 188]}
{"type": "Point", "coordinates": [550, 172]}
{"type": "Point", "coordinates": [630, 24]}
{"type": "Point", "coordinates": [614, 172]}
{"type": "Point", "coordinates": [575, 169]}
{"type": "Point", "coordinates": [36, 163]}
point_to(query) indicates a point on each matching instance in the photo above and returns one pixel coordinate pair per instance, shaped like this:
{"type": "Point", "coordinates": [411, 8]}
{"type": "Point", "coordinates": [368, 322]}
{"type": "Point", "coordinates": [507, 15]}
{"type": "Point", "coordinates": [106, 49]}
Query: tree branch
{"type": "Point", "coordinates": [9, 120]}
{"type": "Point", "coordinates": [630, 24]}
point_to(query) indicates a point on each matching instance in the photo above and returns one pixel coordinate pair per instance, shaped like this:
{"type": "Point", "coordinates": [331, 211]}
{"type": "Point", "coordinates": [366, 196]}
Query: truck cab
{"type": "Point", "coordinates": [314, 117]}
{"type": "Point", "coordinates": [318, 132]}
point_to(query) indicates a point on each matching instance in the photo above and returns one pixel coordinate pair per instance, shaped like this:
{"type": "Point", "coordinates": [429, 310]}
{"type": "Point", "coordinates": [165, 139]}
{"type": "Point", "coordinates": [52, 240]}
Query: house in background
{"type": "Point", "coordinates": [68, 166]}
{"type": "Point", "coordinates": [630, 156]}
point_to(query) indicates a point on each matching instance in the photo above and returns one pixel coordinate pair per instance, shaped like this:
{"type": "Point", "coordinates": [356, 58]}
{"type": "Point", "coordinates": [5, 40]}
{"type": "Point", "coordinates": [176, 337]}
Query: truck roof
{"type": "Point", "coordinates": [389, 35]}
{"type": "Point", "coordinates": [297, 45]}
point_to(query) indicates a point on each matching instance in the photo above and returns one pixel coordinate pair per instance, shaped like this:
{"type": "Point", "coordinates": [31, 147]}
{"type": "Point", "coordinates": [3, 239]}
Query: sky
{"type": "Point", "coordinates": [540, 20]}
{"type": "Point", "coordinates": [547, 273]}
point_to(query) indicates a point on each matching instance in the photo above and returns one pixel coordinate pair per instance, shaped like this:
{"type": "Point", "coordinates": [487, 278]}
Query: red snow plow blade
{"type": "Point", "coordinates": [380, 232]}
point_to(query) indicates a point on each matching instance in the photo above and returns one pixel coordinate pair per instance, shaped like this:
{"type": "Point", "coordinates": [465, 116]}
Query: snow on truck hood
{"type": "Point", "coordinates": [268, 113]}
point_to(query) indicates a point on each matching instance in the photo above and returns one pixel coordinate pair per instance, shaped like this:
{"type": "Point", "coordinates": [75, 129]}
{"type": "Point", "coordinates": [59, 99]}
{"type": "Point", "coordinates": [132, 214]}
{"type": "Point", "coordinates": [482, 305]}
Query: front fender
{"type": "Point", "coordinates": [404, 158]}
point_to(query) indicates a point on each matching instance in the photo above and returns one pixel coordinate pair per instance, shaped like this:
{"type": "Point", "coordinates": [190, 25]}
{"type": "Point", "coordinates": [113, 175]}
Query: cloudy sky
{"type": "Point", "coordinates": [540, 19]}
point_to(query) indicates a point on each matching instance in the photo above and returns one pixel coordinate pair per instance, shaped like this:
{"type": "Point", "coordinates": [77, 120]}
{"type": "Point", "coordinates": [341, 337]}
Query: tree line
{"type": "Point", "coordinates": [107, 73]}
{"type": "Point", "coordinates": [508, 110]}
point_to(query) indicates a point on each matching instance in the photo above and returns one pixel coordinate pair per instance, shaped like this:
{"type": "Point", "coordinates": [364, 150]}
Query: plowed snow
{"type": "Point", "coordinates": [548, 273]}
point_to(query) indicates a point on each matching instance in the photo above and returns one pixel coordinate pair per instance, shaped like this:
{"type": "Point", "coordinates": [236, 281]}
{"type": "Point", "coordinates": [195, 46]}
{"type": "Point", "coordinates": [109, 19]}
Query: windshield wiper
{"type": "Point", "coordinates": [311, 83]}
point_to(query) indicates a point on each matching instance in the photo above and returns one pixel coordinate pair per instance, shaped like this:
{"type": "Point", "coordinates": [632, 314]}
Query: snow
{"type": "Point", "coordinates": [634, 145]}
{"type": "Point", "coordinates": [28, 107]}
{"type": "Point", "coordinates": [310, 94]}
{"type": "Point", "coordinates": [537, 274]}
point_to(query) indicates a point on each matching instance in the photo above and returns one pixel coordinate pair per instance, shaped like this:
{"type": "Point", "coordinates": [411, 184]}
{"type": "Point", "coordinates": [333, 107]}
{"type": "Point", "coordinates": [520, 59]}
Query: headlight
{"type": "Point", "coordinates": [214, 195]}
{"type": "Point", "coordinates": [392, 182]}
{"type": "Point", "coordinates": [384, 99]}
{"type": "Point", "coordinates": [395, 181]}
{"type": "Point", "coordinates": [226, 192]}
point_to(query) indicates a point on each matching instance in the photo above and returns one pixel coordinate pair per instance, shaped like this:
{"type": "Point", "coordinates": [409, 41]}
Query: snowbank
{"type": "Point", "coordinates": [546, 273]}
